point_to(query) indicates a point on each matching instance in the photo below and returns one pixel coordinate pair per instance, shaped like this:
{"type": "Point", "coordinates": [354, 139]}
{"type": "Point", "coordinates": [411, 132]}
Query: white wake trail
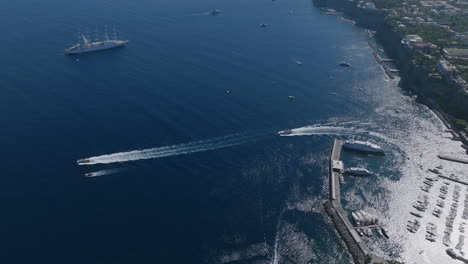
{"type": "Point", "coordinates": [323, 130]}
{"type": "Point", "coordinates": [101, 173]}
{"type": "Point", "coordinates": [174, 150]}
{"type": "Point", "coordinates": [275, 246]}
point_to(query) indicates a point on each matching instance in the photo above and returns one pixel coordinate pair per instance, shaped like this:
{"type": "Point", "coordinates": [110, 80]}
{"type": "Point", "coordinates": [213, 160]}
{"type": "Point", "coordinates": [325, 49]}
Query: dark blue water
{"type": "Point", "coordinates": [257, 200]}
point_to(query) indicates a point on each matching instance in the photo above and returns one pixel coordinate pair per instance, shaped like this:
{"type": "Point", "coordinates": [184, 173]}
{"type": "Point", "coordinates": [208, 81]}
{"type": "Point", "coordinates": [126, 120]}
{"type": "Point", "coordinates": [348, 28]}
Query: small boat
{"type": "Point", "coordinates": [345, 64]}
{"type": "Point", "coordinates": [292, 97]}
{"type": "Point", "coordinates": [436, 171]}
{"type": "Point", "coordinates": [215, 12]}
{"type": "Point", "coordinates": [285, 132]}
{"type": "Point", "coordinates": [379, 232]}
{"type": "Point", "coordinates": [342, 179]}
{"type": "Point", "coordinates": [91, 174]}
{"type": "Point", "coordinates": [334, 93]}
{"type": "Point", "coordinates": [416, 214]}
{"type": "Point", "coordinates": [83, 161]}
{"type": "Point", "coordinates": [263, 25]}
{"type": "Point", "coordinates": [299, 62]}
{"type": "Point", "coordinates": [359, 231]}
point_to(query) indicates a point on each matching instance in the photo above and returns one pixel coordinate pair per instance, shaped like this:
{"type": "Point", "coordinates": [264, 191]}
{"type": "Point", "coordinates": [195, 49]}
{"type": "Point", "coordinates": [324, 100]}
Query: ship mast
{"type": "Point", "coordinates": [106, 33]}
{"type": "Point", "coordinates": [85, 40]}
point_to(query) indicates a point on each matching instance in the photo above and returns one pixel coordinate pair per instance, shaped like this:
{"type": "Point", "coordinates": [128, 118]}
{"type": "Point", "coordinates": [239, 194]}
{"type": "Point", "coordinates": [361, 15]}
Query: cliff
{"type": "Point", "coordinates": [431, 88]}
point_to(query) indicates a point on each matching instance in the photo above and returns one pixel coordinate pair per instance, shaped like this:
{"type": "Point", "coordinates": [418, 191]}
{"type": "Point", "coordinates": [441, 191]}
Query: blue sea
{"type": "Point", "coordinates": [181, 128]}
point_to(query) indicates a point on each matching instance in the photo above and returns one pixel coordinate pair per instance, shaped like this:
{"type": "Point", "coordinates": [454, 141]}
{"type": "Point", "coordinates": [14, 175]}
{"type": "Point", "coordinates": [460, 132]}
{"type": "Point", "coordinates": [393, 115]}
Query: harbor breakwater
{"type": "Point", "coordinates": [357, 254]}
{"type": "Point", "coordinates": [431, 90]}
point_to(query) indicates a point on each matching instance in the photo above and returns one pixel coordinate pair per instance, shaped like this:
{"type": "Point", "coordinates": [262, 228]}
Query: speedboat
{"type": "Point", "coordinates": [384, 231]}
{"type": "Point", "coordinates": [299, 62]}
{"type": "Point", "coordinates": [345, 64]}
{"type": "Point", "coordinates": [292, 97]}
{"type": "Point", "coordinates": [83, 161]}
{"type": "Point", "coordinates": [91, 174]}
{"type": "Point", "coordinates": [285, 132]}
{"type": "Point", "coordinates": [215, 12]}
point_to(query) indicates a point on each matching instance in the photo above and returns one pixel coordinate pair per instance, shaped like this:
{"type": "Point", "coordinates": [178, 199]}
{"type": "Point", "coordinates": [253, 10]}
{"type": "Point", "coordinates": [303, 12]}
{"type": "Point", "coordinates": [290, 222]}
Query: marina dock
{"type": "Point", "coordinates": [388, 72]}
{"type": "Point", "coordinates": [453, 159]}
{"type": "Point", "coordinates": [353, 241]}
{"type": "Point", "coordinates": [454, 180]}
{"type": "Point", "coordinates": [379, 59]}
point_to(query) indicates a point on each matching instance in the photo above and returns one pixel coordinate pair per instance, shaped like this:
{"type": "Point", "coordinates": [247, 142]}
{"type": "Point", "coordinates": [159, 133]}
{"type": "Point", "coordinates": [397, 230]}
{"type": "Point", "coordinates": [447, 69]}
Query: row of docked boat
{"type": "Point", "coordinates": [413, 226]}
{"type": "Point", "coordinates": [366, 222]}
{"type": "Point", "coordinates": [465, 208]}
{"type": "Point", "coordinates": [450, 219]}
{"type": "Point", "coordinates": [362, 218]}
{"type": "Point", "coordinates": [421, 203]}
{"type": "Point", "coordinates": [431, 232]}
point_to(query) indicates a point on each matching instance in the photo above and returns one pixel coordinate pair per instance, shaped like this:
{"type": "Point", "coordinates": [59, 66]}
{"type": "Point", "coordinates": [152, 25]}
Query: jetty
{"type": "Point", "coordinates": [347, 20]}
{"type": "Point", "coordinates": [380, 59]}
{"type": "Point", "coordinates": [388, 72]}
{"type": "Point", "coordinates": [334, 209]}
{"type": "Point", "coordinates": [369, 226]}
{"type": "Point", "coordinates": [454, 159]}
{"type": "Point", "coordinates": [452, 179]}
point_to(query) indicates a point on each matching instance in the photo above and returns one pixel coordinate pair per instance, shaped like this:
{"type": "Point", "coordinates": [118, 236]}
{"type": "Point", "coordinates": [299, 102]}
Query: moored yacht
{"type": "Point", "coordinates": [363, 146]}
{"type": "Point", "coordinates": [357, 171]}
{"type": "Point", "coordinates": [88, 46]}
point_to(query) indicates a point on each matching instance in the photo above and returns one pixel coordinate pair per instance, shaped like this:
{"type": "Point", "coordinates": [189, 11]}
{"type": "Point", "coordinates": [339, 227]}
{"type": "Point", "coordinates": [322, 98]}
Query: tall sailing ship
{"type": "Point", "coordinates": [89, 46]}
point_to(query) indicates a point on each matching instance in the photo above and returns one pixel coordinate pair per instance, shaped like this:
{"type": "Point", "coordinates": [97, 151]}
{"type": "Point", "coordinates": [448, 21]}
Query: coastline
{"type": "Point", "coordinates": [413, 78]}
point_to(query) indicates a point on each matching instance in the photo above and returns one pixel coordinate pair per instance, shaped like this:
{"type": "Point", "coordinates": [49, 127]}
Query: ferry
{"type": "Point", "coordinates": [363, 146]}
{"type": "Point", "coordinates": [357, 171]}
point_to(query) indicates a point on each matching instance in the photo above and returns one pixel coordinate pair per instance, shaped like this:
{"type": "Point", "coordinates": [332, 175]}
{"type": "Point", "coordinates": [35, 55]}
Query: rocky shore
{"type": "Point", "coordinates": [358, 256]}
{"type": "Point", "coordinates": [442, 97]}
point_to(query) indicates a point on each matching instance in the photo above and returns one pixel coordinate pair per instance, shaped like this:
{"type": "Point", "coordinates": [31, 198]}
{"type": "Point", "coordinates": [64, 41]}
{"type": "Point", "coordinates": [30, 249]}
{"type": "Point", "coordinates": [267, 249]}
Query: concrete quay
{"type": "Point", "coordinates": [333, 207]}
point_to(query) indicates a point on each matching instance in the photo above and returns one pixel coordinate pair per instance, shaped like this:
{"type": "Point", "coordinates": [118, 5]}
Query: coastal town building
{"type": "Point", "coordinates": [456, 53]}
{"type": "Point", "coordinates": [410, 40]}
{"type": "Point", "coordinates": [446, 69]}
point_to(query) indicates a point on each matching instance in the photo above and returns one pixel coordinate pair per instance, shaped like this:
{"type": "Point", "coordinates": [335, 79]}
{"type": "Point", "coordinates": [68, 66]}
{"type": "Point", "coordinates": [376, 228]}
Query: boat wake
{"type": "Point", "coordinates": [275, 246]}
{"type": "Point", "coordinates": [101, 173]}
{"type": "Point", "coordinates": [323, 130]}
{"type": "Point", "coordinates": [173, 150]}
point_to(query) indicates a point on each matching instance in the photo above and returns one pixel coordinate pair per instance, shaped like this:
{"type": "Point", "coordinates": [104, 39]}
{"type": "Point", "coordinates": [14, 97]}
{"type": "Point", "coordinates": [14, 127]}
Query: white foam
{"type": "Point", "coordinates": [173, 150]}
{"type": "Point", "coordinates": [101, 173]}
{"type": "Point", "coordinates": [323, 130]}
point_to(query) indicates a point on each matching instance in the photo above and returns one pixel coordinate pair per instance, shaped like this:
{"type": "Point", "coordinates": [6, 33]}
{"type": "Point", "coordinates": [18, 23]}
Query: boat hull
{"type": "Point", "coordinates": [93, 49]}
{"type": "Point", "coordinates": [361, 174]}
{"type": "Point", "coordinates": [368, 150]}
